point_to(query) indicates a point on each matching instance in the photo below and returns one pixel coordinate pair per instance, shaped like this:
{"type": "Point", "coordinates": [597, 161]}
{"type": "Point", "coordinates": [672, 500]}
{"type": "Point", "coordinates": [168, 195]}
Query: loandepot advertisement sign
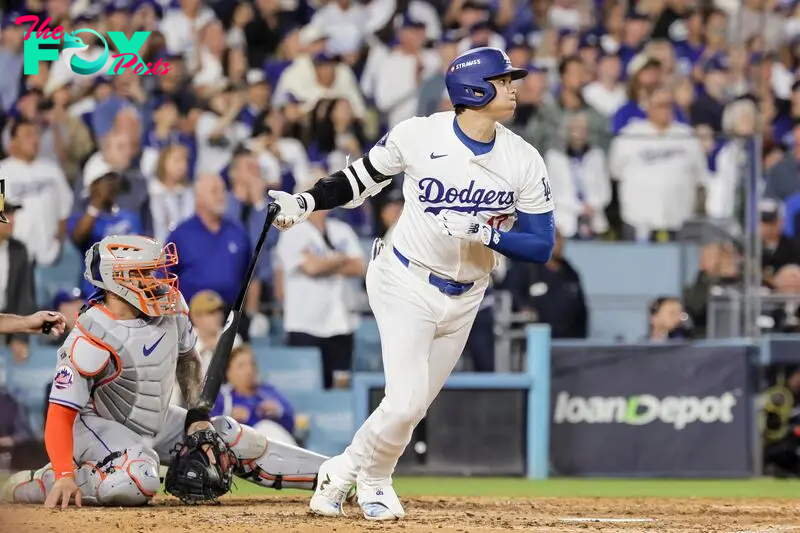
{"type": "Point", "coordinates": [676, 411]}
{"type": "Point", "coordinates": [125, 57]}
{"type": "Point", "coordinates": [652, 410]}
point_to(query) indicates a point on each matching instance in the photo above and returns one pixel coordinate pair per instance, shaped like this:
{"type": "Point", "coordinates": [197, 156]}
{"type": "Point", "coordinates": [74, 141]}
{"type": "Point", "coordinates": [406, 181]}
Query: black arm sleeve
{"type": "Point", "coordinates": [339, 188]}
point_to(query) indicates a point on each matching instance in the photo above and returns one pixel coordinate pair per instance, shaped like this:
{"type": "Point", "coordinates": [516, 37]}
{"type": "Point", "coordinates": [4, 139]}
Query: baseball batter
{"type": "Point", "coordinates": [467, 181]}
{"type": "Point", "coordinates": [110, 423]}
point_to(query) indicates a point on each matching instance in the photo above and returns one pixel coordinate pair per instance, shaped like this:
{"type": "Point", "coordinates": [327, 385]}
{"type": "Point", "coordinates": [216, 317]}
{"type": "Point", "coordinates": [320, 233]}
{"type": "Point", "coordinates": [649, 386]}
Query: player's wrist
{"type": "Point", "coordinates": [307, 202]}
{"type": "Point", "coordinates": [66, 473]}
{"type": "Point", "coordinates": [488, 235]}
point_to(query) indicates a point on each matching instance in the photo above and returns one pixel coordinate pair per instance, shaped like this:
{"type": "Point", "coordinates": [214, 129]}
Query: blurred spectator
{"type": "Point", "coordinates": [718, 268]}
{"type": "Point", "coordinates": [659, 165]}
{"type": "Point", "coordinates": [550, 294]}
{"type": "Point", "coordinates": [531, 99]}
{"type": "Point", "coordinates": [335, 133]}
{"type": "Point", "coordinates": [276, 149]}
{"type": "Point", "coordinates": [41, 186]}
{"type": "Point", "coordinates": [11, 60]}
{"type": "Point", "coordinates": [68, 302]}
{"type": "Point", "coordinates": [310, 79]}
{"type": "Point", "coordinates": [781, 179]}
{"type": "Point", "coordinates": [400, 74]}
{"type": "Point", "coordinates": [544, 131]}
{"type": "Point", "coordinates": [218, 133]}
{"type": "Point", "coordinates": [250, 401]}
{"type": "Point", "coordinates": [207, 59]}
{"type": "Point", "coordinates": [724, 192]}
{"type": "Point", "coordinates": [607, 93]}
{"type": "Point", "coordinates": [708, 107]}
{"type": "Point", "coordinates": [390, 212]}
{"type": "Point", "coordinates": [635, 30]}
{"type": "Point", "coordinates": [164, 133]}
{"type": "Point", "coordinates": [180, 26]}
{"type": "Point", "coordinates": [778, 250]}
{"type": "Point", "coordinates": [117, 151]}
{"type": "Point", "coordinates": [14, 426]}
{"type": "Point", "coordinates": [16, 279]}
{"type": "Point", "coordinates": [580, 182]}
{"type": "Point", "coordinates": [209, 234]}
{"type": "Point", "coordinates": [207, 313]}
{"type": "Point", "coordinates": [258, 97]}
{"type": "Point", "coordinates": [99, 215]}
{"type": "Point", "coordinates": [171, 197]}
{"type": "Point", "coordinates": [757, 18]}
{"type": "Point", "coordinates": [644, 76]}
{"type": "Point", "coordinates": [668, 320]}
{"type": "Point", "coordinates": [66, 138]}
{"type": "Point", "coordinates": [317, 258]}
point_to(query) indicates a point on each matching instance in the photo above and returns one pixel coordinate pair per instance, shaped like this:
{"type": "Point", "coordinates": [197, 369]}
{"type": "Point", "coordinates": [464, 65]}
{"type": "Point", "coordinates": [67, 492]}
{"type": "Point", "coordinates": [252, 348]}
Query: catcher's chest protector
{"type": "Point", "coordinates": [134, 389]}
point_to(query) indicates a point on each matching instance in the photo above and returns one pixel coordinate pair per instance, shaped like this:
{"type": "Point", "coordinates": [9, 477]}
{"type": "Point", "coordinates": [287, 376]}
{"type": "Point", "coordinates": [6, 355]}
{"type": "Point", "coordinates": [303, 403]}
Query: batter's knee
{"type": "Point", "coordinates": [408, 412]}
{"type": "Point", "coordinates": [126, 479]}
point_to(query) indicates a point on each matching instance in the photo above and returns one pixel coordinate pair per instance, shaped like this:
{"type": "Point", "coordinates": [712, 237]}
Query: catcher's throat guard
{"type": "Point", "coordinates": [192, 477]}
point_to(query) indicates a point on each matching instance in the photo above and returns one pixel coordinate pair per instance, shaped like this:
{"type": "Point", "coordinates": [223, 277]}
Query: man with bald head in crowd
{"type": "Point", "coordinates": [213, 250]}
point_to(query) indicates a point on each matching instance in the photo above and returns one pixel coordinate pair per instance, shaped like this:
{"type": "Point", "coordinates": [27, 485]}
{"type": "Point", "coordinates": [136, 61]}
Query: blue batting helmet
{"type": "Point", "coordinates": [468, 76]}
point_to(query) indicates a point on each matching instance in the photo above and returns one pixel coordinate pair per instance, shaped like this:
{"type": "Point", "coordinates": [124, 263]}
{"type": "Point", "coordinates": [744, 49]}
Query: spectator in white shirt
{"type": "Point", "coordinates": [310, 79]}
{"type": "Point", "coordinates": [579, 178]}
{"type": "Point", "coordinates": [179, 26]}
{"type": "Point", "coordinates": [607, 93]}
{"type": "Point", "coordinates": [217, 131]}
{"type": "Point", "coordinates": [659, 164]}
{"type": "Point", "coordinates": [402, 71]}
{"type": "Point", "coordinates": [208, 59]}
{"type": "Point", "coordinates": [171, 197]}
{"type": "Point", "coordinates": [41, 186]}
{"type": "Point", "coordinates": [316, 258]}
{"type": "Point", "coordinates": [345, 22]}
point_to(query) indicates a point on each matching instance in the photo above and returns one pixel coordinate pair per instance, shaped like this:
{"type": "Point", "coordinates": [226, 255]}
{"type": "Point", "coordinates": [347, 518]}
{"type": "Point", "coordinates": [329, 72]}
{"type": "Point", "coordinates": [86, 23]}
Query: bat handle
{"type": "Point", "coordinates": [47, 327]}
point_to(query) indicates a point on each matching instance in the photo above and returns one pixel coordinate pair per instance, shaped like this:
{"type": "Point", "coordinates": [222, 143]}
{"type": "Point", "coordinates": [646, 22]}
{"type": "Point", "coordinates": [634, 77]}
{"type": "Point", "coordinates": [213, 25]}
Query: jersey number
{"type": "Point", "coordinates": [497, 221]}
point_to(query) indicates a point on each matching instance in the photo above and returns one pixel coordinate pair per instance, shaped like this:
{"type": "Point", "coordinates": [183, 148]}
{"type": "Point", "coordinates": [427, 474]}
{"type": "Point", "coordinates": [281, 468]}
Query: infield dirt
{"type": "Point", "coordinates": [287, 514]}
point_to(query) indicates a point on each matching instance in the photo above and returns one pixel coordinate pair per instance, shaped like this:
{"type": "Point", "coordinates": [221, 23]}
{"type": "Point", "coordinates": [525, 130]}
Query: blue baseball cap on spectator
{"type": "Point", "coordinates": [115, 6]}
{"type": "Point", "coordinates": [451, 36]}
{"type": "Point", "coordinates": [517, 40]}
{"type": "Point", "coordinates": [64, 296]}
{"type": "Point", "coordinates": [324, 57]}
{"type": "Point", "coordinates": [408, 21]}
{"type": "Point", "coordinates": [716, 63]}
{"type": "Point", "coordinates": [589, 40]}
{"type": "Point", "coordinates": [9, 21]}
{"type": "Point", "coordinates": [138, 4]}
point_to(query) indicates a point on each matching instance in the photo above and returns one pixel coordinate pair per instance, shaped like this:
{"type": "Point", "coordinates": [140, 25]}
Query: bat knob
{"type": "Point", "coordinates": [47, 327]}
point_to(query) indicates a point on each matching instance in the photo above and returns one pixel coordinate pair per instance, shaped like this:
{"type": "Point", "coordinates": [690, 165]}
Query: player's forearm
{"type": "Point", "coordinates": [58, 439]}
{"type": "Point", "coordinates": [533, 244]}
{"type": "Point", "coordinates": [352, 267]}
{"type": "Point", "coordinates": [13, 323]}
{"type": "Point", "coordinates": [344, 186]}
{"type": "Point", "coordinates": [188, 376]}
{"type": "Point", "coordinates": [315, 266]}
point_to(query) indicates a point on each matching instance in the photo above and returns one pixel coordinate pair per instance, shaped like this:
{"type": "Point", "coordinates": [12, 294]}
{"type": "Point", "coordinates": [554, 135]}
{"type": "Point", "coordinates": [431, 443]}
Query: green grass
{"type": "Point", "coordinates": [577, 488]}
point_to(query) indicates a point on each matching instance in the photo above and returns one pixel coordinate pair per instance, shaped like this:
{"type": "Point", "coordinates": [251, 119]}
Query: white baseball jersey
{"type": "Point", "coordinates": [442, 173]}
{"type": "Point", "coordinates": [122, 370]}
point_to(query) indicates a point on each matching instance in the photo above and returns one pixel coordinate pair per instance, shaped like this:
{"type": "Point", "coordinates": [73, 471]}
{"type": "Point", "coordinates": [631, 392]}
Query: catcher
{"type": "Point", "coordinates": [109, 422]}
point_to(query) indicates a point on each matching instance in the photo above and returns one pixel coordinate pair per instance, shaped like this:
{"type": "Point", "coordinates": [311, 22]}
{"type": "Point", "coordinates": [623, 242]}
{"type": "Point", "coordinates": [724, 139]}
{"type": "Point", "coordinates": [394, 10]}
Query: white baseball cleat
{"type": "Point", "coordinates": [330, 494]}
{"type": "Point", "coordinates": [380, 503]}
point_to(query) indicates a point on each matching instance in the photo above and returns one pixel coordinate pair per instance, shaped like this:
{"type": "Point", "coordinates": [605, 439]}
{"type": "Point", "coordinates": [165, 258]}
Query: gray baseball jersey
{"type": "Point", "coordinates": [122, 370]}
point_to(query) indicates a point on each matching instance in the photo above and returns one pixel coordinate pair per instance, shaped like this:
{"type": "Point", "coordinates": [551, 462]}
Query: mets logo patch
{"type": "Point", "coordinates": [64, 378]}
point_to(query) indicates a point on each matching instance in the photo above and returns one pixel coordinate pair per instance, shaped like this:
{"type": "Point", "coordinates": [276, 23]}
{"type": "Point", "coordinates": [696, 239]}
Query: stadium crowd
{"type": "Point", "coordinates": [648, 114]}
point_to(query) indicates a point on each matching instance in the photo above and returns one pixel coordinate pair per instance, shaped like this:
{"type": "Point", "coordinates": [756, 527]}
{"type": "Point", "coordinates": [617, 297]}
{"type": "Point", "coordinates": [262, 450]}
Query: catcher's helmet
{"type": "Point", "coordinates": [467, 77]}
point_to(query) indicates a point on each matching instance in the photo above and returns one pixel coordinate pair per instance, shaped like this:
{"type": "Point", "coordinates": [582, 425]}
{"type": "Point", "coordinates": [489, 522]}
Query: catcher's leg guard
{"type": "Point", "coordinates": [123, 479]}
{"type": "Point", "coordinates": [271, 464]}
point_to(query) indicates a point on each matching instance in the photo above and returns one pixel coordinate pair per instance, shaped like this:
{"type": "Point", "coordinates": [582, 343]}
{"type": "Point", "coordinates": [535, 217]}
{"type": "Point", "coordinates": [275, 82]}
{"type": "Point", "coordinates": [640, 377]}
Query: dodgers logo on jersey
{"type": "Point", "coordinates": [64, 378]}
{"type": "Point", "coordinates": [472, 200]}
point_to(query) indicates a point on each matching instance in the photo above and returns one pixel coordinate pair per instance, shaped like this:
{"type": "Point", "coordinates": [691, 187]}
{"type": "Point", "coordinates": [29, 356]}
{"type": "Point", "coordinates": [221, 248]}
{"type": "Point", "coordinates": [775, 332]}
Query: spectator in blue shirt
{"type": "Point", "coordinates": [213, 250]}
{"type": "Point", "coordinates": [258, 405]}
{"type": "Point", "coordinates": [99, 215]}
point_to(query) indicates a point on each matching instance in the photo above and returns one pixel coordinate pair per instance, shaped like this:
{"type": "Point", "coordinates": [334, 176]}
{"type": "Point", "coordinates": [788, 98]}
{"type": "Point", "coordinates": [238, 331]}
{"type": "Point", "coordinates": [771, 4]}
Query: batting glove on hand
{"type": "Point", "coordinates": [294, 209]}
{"type": "Point", "coordinates": [464, 226]}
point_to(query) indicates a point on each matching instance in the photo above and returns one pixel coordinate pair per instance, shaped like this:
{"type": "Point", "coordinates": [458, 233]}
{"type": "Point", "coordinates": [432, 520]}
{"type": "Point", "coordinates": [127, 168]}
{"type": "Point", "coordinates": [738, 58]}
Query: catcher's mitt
{"type": "Point", "coordinates": [191, 476]}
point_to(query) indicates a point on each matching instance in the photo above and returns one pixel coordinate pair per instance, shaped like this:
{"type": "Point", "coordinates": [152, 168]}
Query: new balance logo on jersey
{"type": "Point", "coordinates": [472, 200]}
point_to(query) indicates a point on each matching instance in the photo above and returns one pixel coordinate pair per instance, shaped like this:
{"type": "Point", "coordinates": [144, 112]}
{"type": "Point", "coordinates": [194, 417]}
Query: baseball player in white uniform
{"type": "Point", "coordinates": [467, 180]}
{"type": "Point", "coordinates": [110, 423]}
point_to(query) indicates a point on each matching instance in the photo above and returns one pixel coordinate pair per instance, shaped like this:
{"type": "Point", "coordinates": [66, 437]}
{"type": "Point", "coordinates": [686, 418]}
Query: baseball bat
{"type": "Point", "coordinates": [218, 365]}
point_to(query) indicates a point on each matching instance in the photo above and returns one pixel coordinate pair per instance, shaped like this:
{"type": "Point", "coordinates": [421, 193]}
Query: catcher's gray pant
{"type": "Point", "coordinates": [120, 468]}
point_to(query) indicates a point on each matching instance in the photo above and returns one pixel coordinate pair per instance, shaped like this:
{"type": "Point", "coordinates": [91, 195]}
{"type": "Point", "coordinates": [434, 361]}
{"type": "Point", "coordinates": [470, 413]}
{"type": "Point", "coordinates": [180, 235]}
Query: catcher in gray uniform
{"type": "Point", "coordinates": [110, 423]}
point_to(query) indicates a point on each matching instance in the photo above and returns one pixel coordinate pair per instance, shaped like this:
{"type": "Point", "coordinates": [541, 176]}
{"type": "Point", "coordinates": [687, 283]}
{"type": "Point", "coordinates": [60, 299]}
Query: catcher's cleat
{"type": "Point", "coordinates": [380, 503]}
{"type": "Point", "coordinates": [330, 493]}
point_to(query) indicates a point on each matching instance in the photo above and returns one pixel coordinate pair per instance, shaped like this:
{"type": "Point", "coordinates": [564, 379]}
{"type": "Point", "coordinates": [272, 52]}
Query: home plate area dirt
{"type": "Point", "coordinates": [288, 514]}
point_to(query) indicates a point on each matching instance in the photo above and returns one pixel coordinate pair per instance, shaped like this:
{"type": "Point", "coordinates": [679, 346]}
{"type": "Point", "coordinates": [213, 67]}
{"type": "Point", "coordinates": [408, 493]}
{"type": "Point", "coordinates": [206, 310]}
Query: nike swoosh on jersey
{"type": "Point", "coordinates": [147, 351]}
{"type": "Point", "coordinates": [437, 156]}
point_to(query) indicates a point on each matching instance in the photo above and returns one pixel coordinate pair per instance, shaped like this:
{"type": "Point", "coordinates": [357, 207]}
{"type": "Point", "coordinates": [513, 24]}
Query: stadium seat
{"type": "Point", "coordinates": [367, 347]}
{"type": "Point", "coordinates": [64, 274]}
{"type": "Point", "coordinates": [294, 371]}
{"type": "Point", "coordinates": [331, 422]}
{"type": "Point", "coordinates": [27, 382]}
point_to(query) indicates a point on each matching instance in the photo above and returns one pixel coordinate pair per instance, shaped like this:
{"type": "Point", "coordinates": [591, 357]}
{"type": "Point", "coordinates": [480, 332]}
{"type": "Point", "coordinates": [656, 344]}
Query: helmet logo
{"type": "Point", "coordinates": [464, 64]}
